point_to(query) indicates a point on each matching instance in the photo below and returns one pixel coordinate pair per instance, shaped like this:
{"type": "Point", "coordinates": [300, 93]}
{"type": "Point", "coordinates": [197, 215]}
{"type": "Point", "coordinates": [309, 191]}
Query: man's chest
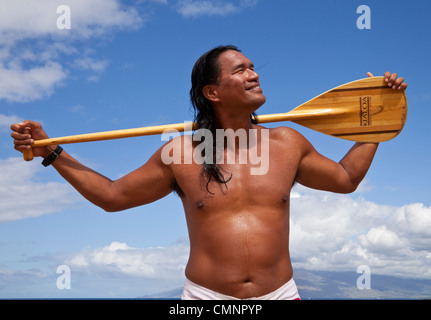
{"type": "Point", "coordinates": [245, 185]}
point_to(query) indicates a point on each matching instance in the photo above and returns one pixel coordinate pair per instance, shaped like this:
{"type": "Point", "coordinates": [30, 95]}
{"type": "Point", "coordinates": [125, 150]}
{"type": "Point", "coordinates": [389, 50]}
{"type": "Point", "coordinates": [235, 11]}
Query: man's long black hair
{"type": "Point", "coordinates": [206, 71]}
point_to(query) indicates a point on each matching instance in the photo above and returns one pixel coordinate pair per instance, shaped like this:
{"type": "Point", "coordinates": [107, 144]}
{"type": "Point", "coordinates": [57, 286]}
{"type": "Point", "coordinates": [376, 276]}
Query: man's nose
{"type": "Point", "coordinates": [252, 75]}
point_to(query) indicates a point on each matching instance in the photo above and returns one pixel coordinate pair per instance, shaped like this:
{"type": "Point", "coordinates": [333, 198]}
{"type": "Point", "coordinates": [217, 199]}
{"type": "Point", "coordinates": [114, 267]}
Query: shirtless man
{"type": "Point", "coordinates": [238, 223]}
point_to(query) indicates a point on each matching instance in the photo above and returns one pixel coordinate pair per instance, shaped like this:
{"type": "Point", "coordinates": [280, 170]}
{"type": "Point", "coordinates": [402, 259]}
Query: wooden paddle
{"type": "Point", "coordinates": [365, 110]}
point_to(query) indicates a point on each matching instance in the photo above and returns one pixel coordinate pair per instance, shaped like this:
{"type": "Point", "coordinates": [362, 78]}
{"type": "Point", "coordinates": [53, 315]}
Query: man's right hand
{"type": "Point", "coordinates": [24, 135]}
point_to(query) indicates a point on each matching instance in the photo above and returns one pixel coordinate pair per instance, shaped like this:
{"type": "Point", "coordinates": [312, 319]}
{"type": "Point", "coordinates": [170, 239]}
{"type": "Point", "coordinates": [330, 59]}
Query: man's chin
{"type": "Point", "coordinates": [257, 103]}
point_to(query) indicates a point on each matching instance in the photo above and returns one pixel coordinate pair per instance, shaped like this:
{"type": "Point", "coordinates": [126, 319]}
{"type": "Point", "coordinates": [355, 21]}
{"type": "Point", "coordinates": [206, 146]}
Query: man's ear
{"type": "Point", "coordinates": [210, 92]}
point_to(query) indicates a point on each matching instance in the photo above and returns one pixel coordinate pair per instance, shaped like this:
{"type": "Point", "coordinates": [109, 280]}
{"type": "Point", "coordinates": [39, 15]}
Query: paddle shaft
{"type": "Point", "coordinates": [180, 127]}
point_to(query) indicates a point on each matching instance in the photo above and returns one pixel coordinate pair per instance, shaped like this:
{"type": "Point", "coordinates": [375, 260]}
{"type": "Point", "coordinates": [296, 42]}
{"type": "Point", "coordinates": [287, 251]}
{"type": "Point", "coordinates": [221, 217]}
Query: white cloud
{"type": "Point", "coordinates": [193, 8]}
{"type": "Point", "coordinates": [189, 8]}
{"type": "Point", "coordinates": [32, 47]}
{"type": "Point", "coordinates": [21, 196]}
{"type": "Point", "coordinates": [381, 240]}
{"type": "Point", "coordinates": [20, 85]}
{"type": "Point", "coordinates": [88, 63]}
{"type": "Point", "coordinates": [338, 233]}
{"type": "Point", "coordinates": [26, 19]}
{"type": "Point", "coordinates": [164, 263]}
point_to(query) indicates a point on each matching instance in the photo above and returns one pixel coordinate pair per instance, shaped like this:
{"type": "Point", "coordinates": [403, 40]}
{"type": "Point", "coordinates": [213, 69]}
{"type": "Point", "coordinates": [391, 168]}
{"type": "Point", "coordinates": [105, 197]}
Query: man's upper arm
{"type": "Point", "coordinates": [150, 182]}
{"type": "Point", "coordinates": [318, 172]}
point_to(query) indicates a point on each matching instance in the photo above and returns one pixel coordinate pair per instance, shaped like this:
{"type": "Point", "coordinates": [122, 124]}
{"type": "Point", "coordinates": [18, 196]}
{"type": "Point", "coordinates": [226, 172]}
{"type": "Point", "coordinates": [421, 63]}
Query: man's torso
{"type": "Point", "coordinates": [239, 233]}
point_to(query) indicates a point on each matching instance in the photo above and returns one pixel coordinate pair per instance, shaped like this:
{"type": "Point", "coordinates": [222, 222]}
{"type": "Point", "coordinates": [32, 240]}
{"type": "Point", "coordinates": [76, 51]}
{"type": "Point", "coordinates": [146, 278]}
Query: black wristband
{"type": "Point", "coordinates": [53, 155]}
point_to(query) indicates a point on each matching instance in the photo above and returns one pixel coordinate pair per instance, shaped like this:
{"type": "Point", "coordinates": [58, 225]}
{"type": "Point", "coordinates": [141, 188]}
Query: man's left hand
{"type": "Point", "coordinates": [392, 80]}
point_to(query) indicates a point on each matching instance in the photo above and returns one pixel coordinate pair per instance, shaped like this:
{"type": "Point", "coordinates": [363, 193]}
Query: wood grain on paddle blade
{"type": "Point", "coordinates": [365, 110]}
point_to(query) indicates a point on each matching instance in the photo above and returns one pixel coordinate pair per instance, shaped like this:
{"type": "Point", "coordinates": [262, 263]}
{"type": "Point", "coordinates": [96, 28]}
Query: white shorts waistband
{"type": "Point", "coordinates": [193, 291]}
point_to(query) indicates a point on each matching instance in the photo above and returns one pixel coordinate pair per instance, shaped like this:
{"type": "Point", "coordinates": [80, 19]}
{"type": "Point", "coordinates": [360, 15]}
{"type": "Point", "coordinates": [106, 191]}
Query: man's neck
{"type": "Point", "coordinates": [235, 124]}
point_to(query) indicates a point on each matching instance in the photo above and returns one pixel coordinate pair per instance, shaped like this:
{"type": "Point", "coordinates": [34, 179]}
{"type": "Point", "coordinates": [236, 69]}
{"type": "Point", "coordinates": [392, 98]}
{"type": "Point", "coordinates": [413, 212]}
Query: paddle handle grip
{"type": "Point", "coordinates": [28, 154]}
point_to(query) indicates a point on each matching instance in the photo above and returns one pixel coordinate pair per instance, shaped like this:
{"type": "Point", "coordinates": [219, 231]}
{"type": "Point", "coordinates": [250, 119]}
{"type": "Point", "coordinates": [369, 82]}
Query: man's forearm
{"type": "Point", "coordinates": [89, 183]}
{"type": "Point", "coordinates": [358, 160]}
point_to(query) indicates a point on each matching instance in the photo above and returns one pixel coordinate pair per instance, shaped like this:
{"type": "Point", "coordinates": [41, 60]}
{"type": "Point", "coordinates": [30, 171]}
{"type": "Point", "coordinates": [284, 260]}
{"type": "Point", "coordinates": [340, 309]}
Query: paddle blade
{"type": "Point", "coordinates": [365, 110]}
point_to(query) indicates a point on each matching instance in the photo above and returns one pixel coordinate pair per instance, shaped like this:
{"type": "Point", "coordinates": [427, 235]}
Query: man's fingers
{"type": "Point", "coordinates": [22, 139]}
{"type": "Point", "coordinates": [20, 136]}
{"type": "Point", "coordinates": [393, 82]}
{"type": "Point", "coordinates": [387, 75]}
{"type": "Point", "coordinates": [25, 125]}
{"type": "Point", "coordinates": [31, 128]}
{"type": "Point", "coordinates": [392, 79]}
{"type": "Point", "coordinates": [25, 133]}
{"type": "Point", "coordinates": [369, 74]}
{"type": "Point", "coordinates": [27, 142]}
{"type": "Point", "coordinates": [22, 147]}
{"type": "Point", "coordinates": [398, 83]}
{"type": "Point", "coordinates": [17, 127]}
{"type": "Point", "coordinates": [14, 127]}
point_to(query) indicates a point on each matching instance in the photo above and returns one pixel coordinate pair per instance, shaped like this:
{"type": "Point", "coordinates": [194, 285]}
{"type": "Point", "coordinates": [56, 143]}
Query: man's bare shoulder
{"type": "Point", "coordinates": [288, 139]}
{"type": "Point", "coordinates": [172, 150]}
{"type": "Point", "coordinates": [287, 134]}
{"type": "Point", "coordinates": [175, 141]}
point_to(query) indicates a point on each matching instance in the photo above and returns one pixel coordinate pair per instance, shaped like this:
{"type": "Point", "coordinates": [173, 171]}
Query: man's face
{"type": "Point", "coordinates": [238, 83]}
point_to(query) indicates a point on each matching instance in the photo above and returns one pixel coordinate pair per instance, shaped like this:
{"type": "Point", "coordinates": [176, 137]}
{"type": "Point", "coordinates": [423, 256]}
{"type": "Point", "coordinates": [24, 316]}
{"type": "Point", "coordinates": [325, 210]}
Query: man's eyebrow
{"type": "Point", "coordinates": [242, 66]}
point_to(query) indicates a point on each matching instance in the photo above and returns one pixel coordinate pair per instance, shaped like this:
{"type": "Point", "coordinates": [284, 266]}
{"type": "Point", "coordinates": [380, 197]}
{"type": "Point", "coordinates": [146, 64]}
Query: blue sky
{"type": "Point", "coordinates": [126, 64]}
